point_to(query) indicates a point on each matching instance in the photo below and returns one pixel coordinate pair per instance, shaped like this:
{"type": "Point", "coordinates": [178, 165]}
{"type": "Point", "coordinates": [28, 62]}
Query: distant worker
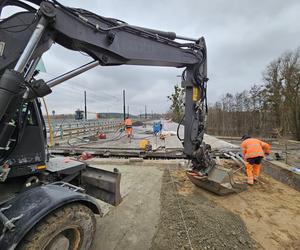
{"type": "Point", "coordinates": [253, 152]}
{"type": "Point", "coordinates": [128, 126]}
{"type": "Point", "coordinates": [157, 127]}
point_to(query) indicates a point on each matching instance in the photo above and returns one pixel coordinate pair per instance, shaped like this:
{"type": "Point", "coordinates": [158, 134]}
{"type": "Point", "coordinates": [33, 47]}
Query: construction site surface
{"type": "Point", "coordinates": [162, 209]}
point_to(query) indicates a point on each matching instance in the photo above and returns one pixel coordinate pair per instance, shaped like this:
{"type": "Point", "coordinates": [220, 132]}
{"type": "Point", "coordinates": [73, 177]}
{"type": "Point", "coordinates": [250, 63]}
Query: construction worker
{"type": "Point", "coordinates": [128, 126]}
{"type": "Point", "coordinates": [253, 152]}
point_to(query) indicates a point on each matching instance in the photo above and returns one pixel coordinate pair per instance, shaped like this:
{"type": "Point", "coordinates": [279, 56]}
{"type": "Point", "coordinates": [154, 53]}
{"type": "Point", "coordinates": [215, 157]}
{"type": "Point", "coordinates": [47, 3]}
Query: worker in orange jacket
{"type": "Point", "coordinates": [253, 152]}
{"type": "Point", "coordinates": [128, 126]}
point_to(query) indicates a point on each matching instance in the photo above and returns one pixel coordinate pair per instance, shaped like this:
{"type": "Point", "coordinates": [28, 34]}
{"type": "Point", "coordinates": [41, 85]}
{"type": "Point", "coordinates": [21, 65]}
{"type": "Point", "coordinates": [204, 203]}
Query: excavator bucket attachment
{"type": "Point", "coordinates": [219, 181]}
{"type": "Point", "coordinates": [99, 183]}
{"type": "Point", "coordinates": [102, 184]}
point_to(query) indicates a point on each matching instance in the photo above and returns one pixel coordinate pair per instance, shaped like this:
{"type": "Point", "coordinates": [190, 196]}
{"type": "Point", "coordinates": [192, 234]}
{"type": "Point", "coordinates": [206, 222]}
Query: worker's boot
{"type": "Point", "coordinates": [250, 180]}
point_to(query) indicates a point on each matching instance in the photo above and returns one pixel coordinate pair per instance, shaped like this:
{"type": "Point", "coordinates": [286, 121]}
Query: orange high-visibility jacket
{"type": "Point", "coordinates": [252, 148]}
{"type": "Point", "coordinates": [128, 122]}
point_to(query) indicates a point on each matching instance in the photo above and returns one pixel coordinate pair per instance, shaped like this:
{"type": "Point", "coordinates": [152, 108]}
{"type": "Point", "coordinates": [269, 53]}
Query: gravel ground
{"type": "Point", "coordinates": [209, 226]}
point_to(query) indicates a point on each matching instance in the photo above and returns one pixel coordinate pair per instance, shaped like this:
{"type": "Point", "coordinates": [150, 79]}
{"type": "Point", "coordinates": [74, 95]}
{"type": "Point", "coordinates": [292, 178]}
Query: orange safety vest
{"type": "Point", "coordinates": [128, 123]}
{"type": "Point", "coordinates": [252, 148]}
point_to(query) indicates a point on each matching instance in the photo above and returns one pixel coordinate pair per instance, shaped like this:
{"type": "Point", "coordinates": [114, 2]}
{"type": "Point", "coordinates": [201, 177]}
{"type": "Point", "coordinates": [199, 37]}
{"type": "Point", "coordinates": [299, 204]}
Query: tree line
{"type": "Point", "coordinates": [269, 109]}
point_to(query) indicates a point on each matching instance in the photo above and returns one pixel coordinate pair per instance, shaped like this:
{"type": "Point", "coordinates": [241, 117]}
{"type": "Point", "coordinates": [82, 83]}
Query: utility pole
{"type": "Point", "coordinates": [145, 111]}
{"type": "Point", "coordinates": [128, 110]}
{"type": "Point", "coordinates": [85, 108]}
{"type": "Point", "coordinates": [124, 111]}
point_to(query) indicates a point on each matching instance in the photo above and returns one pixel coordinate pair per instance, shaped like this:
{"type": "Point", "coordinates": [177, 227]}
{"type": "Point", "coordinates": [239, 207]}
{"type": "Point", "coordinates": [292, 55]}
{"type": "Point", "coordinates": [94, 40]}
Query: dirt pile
{"type": "Point", "coordinates": [208, 225]}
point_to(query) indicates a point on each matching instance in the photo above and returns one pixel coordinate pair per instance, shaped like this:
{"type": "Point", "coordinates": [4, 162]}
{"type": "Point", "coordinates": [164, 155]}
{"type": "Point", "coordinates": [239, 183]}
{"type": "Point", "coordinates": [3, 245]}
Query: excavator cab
{"type": "Point", "coordinates": [28, 152]}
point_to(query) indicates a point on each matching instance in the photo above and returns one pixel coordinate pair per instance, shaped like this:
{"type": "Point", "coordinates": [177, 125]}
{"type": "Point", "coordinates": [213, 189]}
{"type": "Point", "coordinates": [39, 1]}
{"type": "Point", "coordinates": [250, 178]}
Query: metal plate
{"type": "Point", "coordinates": [64, 165]}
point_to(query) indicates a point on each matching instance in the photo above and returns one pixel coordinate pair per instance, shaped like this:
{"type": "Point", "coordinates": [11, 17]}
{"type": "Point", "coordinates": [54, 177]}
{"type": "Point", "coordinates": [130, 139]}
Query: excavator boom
{"type": "Point", "coordinates": [106, 40]}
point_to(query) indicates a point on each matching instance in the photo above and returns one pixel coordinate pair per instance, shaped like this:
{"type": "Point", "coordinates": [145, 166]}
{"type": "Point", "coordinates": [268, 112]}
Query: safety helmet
{"type": "Point", "coordinates": [244, 137]}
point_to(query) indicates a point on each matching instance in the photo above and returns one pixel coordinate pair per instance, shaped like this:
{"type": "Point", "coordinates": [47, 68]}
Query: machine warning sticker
{"type": "Point", "coordinates": [2, 45]}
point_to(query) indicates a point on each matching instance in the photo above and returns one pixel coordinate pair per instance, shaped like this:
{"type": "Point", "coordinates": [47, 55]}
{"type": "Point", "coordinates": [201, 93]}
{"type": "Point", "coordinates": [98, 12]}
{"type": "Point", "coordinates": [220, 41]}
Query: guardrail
{"type": "Point", "coordinates": [63, 129]}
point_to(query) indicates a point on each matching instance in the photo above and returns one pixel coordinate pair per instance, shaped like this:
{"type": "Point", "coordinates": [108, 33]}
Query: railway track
{"type": "Point", "coordinates": [172, 153]}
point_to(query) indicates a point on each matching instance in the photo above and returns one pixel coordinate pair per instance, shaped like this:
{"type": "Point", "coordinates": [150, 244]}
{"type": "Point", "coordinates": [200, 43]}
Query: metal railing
{"type": "Point", "coordinates": [68, 128]}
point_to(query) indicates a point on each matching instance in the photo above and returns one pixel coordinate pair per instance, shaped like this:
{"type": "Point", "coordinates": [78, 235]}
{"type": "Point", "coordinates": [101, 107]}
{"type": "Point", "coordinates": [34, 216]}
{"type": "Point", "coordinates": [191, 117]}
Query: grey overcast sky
{"type": "Point", "coordinates": [242, 37]}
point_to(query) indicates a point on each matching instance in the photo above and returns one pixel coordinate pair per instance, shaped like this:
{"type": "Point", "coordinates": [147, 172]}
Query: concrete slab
{"type": "Point", "coordinates": [173, 142]}
{"type": "Point", "coordinates": [133, 223]}
{"type": "Point", "coordinates": [218, 144]}
{"type": "Point", "coordinates": [118, 140]}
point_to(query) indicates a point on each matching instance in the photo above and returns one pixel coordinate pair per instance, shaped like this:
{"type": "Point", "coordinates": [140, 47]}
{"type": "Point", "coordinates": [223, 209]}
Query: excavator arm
{"type": "Point", "coordinates": [25, 36]}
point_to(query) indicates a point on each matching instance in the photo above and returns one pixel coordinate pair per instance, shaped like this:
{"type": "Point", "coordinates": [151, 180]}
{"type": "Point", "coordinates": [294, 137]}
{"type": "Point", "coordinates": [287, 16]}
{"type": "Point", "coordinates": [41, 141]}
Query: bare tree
{"type": "Point", "coordinates": [265, 110]}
